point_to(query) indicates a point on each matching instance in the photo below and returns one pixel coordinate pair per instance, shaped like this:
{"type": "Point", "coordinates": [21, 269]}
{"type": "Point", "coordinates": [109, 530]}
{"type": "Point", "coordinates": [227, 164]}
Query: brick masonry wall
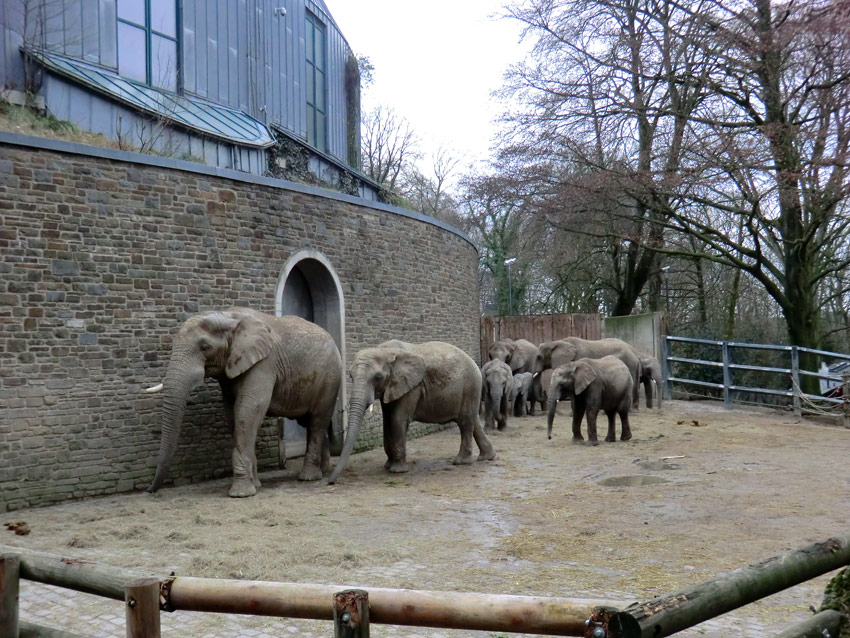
{"type": "Point", "coordinates": [103, 254]}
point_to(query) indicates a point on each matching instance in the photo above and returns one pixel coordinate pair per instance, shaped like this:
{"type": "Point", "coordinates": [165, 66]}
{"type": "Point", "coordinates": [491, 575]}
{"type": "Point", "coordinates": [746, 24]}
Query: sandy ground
{"type": "Point", "coordinates": [699, 491]}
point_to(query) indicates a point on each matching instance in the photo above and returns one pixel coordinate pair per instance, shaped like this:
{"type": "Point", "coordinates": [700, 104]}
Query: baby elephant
{"type": "Point", "coordinates": [593, 385]}
{"type": "Point", "coordinates": [496, 388]}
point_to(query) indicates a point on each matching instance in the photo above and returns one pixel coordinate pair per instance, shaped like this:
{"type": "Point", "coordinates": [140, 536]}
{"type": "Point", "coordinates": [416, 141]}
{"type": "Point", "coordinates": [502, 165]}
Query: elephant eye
{"type": "Point", "coordinates": [204, 346]}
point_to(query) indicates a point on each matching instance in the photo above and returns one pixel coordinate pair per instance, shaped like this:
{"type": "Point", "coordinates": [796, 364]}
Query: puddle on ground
{"type": "Point", "coordinates": [631, 481]}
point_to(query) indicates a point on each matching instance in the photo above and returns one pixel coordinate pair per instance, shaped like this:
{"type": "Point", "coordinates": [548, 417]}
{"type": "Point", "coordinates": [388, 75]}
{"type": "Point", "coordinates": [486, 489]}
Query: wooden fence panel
{"type": "Point", "coordinates": [538, 328]}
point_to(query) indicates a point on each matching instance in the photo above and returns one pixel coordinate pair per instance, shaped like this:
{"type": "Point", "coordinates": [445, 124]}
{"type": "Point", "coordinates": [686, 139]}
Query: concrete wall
{"type": "Point", "coordinates": [103, 254]}
{"type": "Point", "coordinates": [644, 332]}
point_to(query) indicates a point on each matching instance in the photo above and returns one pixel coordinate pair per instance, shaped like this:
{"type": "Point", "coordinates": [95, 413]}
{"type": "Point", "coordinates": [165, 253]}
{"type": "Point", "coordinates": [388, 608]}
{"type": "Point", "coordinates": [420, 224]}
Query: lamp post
{"type": "Point", "coordinates": [508, 263]}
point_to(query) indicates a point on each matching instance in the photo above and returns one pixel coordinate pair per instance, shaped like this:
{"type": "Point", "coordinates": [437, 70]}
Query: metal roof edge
{"type": "Point", "coordinates": [75, 148]}
{"type": "Point", "coordinates": [53, 68]}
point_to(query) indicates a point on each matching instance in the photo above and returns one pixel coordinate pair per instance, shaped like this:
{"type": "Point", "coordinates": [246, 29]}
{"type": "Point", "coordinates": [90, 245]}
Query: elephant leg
{"type": "Point", "coordinates": [592, 439]}
{"type": "Point", "coordinates": [612, 426]}
{"type": "Point", "coordinates": [395, 437]}
{"type": "Point", "coordinates": [636, 395]}
{"type": "Point", "coordinates": [316, 457]}
{"type": "Point", "coordinates": [647, 387]}
{"type": "Point", "coordinates": [578, 415]}
{"type": "Point", "coordinates": [249, 411]}
{"type": "Point", "coordinates": [485, 447]}
{"type": "Point", "coordinates": [626, 430]}
{"type": "Point", "coordinates": [503, 412]}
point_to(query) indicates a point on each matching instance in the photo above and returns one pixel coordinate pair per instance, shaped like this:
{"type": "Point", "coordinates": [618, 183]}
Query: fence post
{"type": "Point", "coordinates": [727, 376]}
{"type": "Point", "coordinates": [141, 597]}
{"type": "Point", "coordinates": [10, 572]}
{"type": "Point", "coordinates": [845, 396]}
{"type": "Point", "coordinates": [351, 614]}
{"type": "Point", "coordinates": [668, 369]}
{"type": "Point", "coordinates": [796, 388]}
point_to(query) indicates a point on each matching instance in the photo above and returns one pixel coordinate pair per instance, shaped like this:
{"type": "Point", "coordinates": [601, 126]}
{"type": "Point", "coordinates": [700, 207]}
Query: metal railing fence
{"type": "Point", "coordinates": [720, 374]}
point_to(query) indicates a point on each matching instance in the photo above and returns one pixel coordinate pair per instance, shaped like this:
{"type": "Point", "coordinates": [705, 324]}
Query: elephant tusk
{"type": "Point", "coordinates": [154, 388]}
{"type": "Point", "coordinates": [371, 408]}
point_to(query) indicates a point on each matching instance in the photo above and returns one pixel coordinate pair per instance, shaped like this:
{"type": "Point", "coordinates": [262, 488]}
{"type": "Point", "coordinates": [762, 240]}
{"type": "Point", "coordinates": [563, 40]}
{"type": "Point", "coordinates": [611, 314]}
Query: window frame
{"type": "Point", "coordinates": [149, 34]}
{"type": "Point", "coordinates": [317, 118]}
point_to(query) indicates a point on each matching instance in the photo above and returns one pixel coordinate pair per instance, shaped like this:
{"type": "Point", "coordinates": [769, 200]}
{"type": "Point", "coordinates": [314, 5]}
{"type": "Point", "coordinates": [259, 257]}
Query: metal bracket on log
{"type": "Point", "coordinates": [608, 622]}
{"type": "Point", "coordinates": [165, 594]}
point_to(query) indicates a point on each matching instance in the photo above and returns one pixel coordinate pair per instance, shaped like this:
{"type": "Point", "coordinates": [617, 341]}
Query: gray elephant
{"type": "Point", "coordinates": [557, 353]}
{"type": "Point", "coordinates": [496, 393]}
{"type": "Point", "coordinates": [522, 383]}
{"type": "Point", "coordinates": [650, 372]}
{"type": "Point", "coordinates": [432, 382]}
{"type": "Point", "coordinates": [593, 384]}
{"type": "Point", "coordinates": [265, 365]}
{"type": "Point", "coordinates": [521, 355]}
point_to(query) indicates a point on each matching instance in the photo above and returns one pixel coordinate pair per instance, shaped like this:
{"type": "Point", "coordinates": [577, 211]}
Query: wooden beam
{"type": "Point", "coordinates": [141, 606]}
{"type": "Point", "coordinates": [351, 614]}
{"type": "Point", "coordinates": [666, 615]}
{"type": "Point", "coordinates": [825, 623]}
{"type": "Point", "coordinates": [10, 568]}
{"type": "Point", "coordinates": [457, 610]}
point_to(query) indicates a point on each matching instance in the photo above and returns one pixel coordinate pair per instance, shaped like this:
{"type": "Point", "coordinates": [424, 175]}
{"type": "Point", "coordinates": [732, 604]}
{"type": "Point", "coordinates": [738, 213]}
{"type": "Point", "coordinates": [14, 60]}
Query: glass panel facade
{"type": "Point", "coordinates": [147, 42]}
{"type": "Point", "coordinates": [132, 11]}
{"type": "Point", "coordinates": [164, 17]}
{"type": "Point", "coordinates": [164, 63]}
{"type": "Point", "coordinates": [315, 84]}
{"type": "Point", "coordinates": [131, 48]}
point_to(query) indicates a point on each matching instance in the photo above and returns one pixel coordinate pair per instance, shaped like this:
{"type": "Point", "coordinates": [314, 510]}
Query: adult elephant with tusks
{"type": "Point", "coordinates": [265, 365]}
{"type": "Point", "coordinates": [432, 382]}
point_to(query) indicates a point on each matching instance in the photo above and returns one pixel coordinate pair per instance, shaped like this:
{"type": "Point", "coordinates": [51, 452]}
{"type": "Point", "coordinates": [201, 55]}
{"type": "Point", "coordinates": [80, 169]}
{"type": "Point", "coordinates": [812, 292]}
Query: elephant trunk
{"type": "Point", "coordinates": [361, 398]}
{"type": "Point", "coordinates": [552, 406]}
{"type": "Point", "coordinates": [494, 407]}
{"type": "Point", "coordinates": [179, 382]}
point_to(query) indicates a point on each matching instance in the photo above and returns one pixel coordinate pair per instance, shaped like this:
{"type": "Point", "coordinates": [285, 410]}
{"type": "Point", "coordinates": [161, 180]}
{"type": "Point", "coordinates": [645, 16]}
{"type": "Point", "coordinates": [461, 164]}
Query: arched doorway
{"type": "Point", "coordinates": [309, 288]}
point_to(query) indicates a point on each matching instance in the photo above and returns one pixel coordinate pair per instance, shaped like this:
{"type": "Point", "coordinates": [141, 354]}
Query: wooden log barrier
{"type": "Point", "coordinates": [351, 614]}
{"type": "Point", "coordinates": [821, 625]}
{"type": "Point", "coordinates": [457, 610]}
{"type": "Point", "coordinates": [666, 615]}
{"type": "Point", "coordinates": [141, 605]}
{"type": "Point", "coordinates": [10, 568]}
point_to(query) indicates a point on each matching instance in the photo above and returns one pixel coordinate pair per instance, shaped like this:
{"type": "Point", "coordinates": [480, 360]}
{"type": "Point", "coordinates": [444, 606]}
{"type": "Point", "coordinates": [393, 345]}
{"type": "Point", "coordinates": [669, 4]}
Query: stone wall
{"type": "Point", "coordinates": [104, 253]}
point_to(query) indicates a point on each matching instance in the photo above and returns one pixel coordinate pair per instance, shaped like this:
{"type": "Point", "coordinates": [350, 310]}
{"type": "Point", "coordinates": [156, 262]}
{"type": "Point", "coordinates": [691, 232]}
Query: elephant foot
{"type": "Point", "coordinates": [626, 436]}
{"type": "Point", "coordinates": [242, 488]}
{"type": "Point", "coordinates": [578, 440]}
{"type": "Point", "coordinates": [311, 473]}
{"type": "Point", "coordinates": [463, 460]}
{"type": "Point", "coordinates": [487, 456]}
{"type": "Point", "coordinates": [592, 442]}
{"type": "Point", "coordinates": [397, 467]}
{"type": "Point", "coordinates": [610, 439]}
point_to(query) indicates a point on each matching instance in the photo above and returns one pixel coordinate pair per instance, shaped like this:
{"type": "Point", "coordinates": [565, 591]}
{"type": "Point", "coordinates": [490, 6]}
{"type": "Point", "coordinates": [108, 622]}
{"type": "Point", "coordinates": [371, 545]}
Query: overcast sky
{"type": "Point", "coordinates": [436, 63]}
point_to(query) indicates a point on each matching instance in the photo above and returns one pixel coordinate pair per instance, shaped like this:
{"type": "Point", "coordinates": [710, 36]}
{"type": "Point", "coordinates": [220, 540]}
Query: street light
{"type": "Point", "coordinates": [508, 263]}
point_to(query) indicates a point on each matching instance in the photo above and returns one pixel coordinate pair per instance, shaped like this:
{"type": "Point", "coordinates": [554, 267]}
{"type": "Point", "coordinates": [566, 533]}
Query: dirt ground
{"type": "Point", "coordinates": [700, 490]}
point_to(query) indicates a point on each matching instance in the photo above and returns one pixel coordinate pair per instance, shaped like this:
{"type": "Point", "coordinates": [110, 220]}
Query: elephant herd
{"type": "Point", "coordinates": [289, 367]}
{"type": "Point", "coordinates": [602, 374]}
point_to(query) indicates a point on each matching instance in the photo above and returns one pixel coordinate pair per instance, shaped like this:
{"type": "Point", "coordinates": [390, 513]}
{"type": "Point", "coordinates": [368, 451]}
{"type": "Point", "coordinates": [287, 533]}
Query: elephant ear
{"type": "Point", "coordinates": [563, 353]}
{"type": "Point", "coordinates": [585, 375]}
{"type": "Point", "coordinates": [251, 343]}
{"type": "Point", "coordinates": [406, 372]}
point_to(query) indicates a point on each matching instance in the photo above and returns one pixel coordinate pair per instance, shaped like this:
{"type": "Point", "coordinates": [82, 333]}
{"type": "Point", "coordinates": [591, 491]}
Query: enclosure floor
{"type": "Point", "coordinates": [715, 490]}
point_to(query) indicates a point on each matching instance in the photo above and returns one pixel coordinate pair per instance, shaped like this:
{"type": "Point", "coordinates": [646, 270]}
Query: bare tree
{"type": "Point", "coordinates": [388, 146]}
{"type": "Point", "coordinates": [430, 193]}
